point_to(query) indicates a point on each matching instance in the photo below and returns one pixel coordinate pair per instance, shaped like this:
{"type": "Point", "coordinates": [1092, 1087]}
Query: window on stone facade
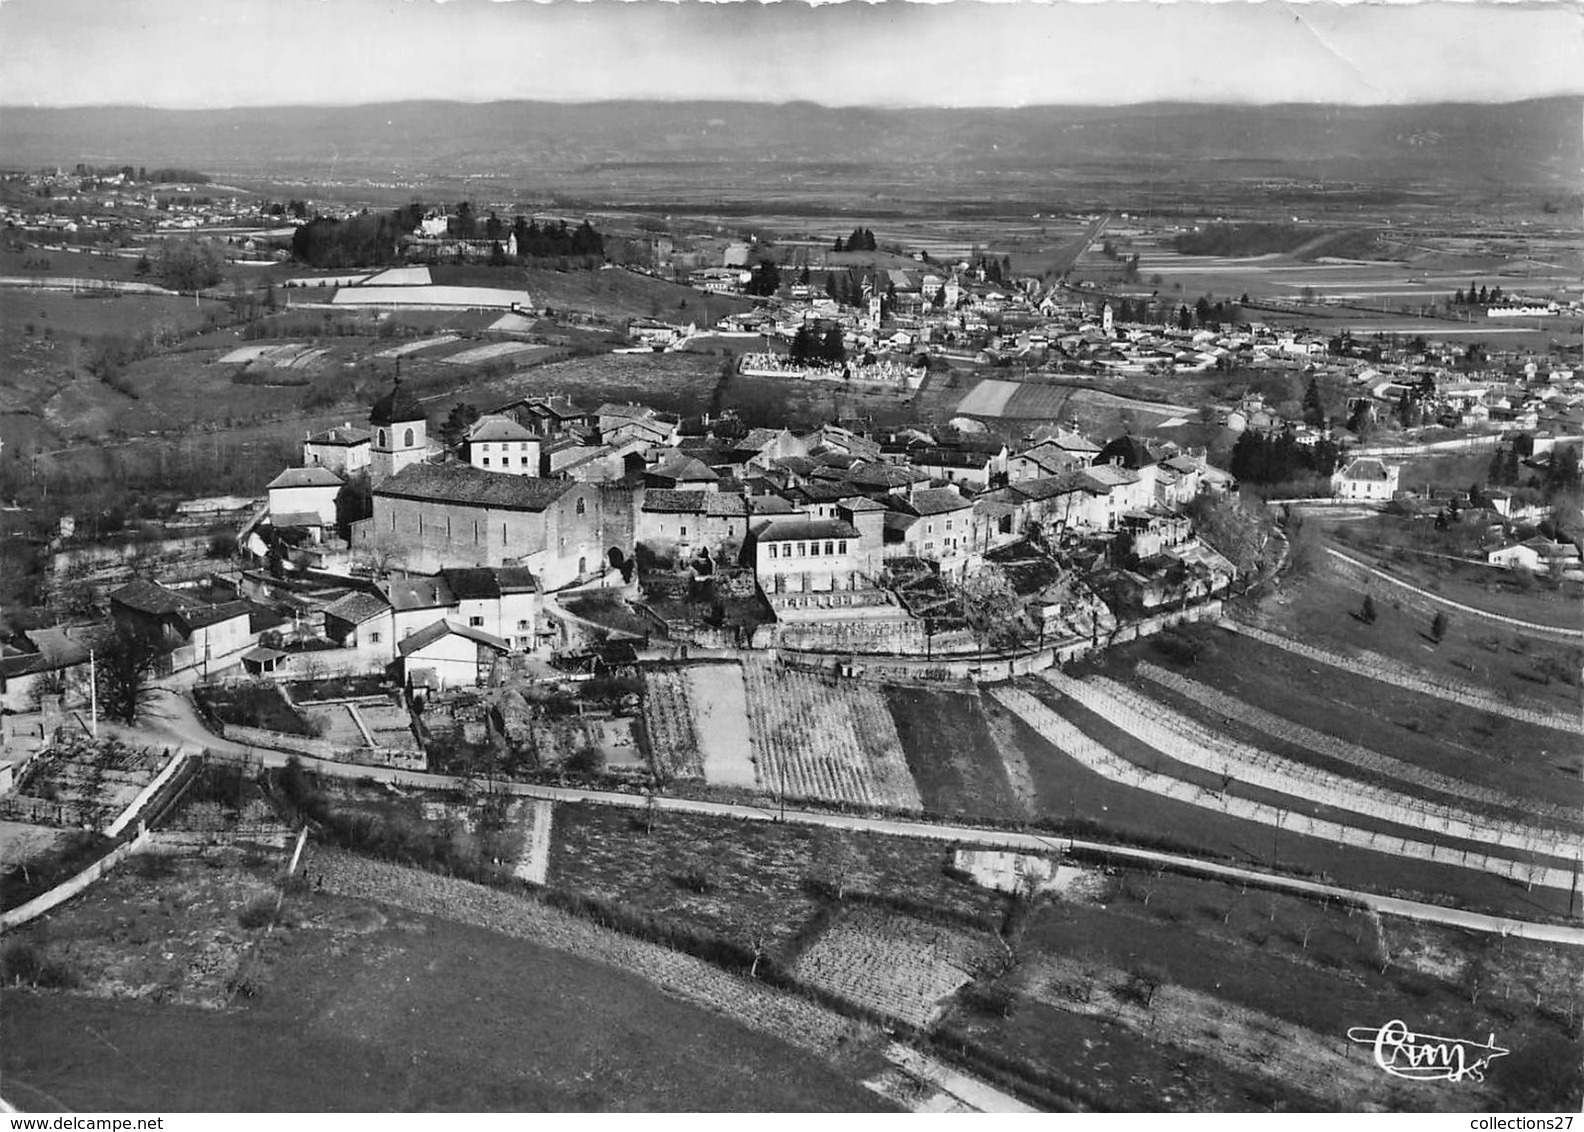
{"type": "Point", "coordinates": [841, 547]}
{"type": "Point", "coordinates": [525, 461]}
{"type": "Point", "coordinates": [374, 638]}
{"type": "Point", "coordinates": [382, 438]}
{"type": "Point", "coordinates": [829, 549]}
{"type": "Point", "coordinates": [522, 624]}
{"type": "Point", "coordinates": [476, 622]}
{"type": "Point", "coordinates": [484, 447]}
{"type": "Point", "coordinates": [407, 441]}
{"type": "Point", "coordinates": [582, 508]}
{"type": "Point", "coordinates": [486, 461]}
{"type": "Point", "coordinates": [814, 548]}
{"type": "Point", "coordinates": [948, 524]}
{"type": "Point", "coordinates": [772, 550]}
{"type": "Point", "coordinates": [802, 549]}
{"type": "Point", "coordinates": [684, 533]}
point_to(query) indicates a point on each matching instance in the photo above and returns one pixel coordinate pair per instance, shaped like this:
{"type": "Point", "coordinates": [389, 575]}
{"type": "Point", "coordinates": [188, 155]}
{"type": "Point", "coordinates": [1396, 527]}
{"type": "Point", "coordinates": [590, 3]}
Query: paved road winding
{"type": "Point", "coordinates": [176, 722]}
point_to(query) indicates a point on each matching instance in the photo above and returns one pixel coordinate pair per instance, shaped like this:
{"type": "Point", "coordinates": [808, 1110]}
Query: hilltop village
{"type": "Point", "coordinates": [896, 662]}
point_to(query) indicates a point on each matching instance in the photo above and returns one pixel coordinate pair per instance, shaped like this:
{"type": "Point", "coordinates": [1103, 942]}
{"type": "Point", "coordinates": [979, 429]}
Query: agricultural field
{"type": "Point", "coordinates": [896, 965]}
{"type": "Point", "coordinates": [668, 723]}
{"type": "Point", "coordinates": [353, 1006]}
{"type": "Point", "coordinates": [1112, 986]}
{"type": "Point", "coordinates": [954, 754]}
{"type": "Point", "coordinates": [748, 881]}
{"type": "Point", "coordinates": [721, 716]}
{"type": "Point", "coordinates": [1270, 828]}
{"type": "Point", "coordinates": [787, 733]}
{"type": "Point", "coordinates": [1526, 762]}
{"type": "Point", "coordinates": [834, 740]}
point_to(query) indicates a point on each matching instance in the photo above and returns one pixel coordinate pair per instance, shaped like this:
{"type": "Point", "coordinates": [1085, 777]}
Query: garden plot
{"type": "Point", "coordinates": [490, 352]}
{"type": "Point", "coordinates": [339, 728]}
{"type": "Point", "coordinates": [614, 739]}
{"type": "Point", "coordinates": [837, 742]}
{"type": "Point", "coordinates": [668, 721]}
{"type": "Point", "coordinates": [413, 347]}
{"type": "Point", "coordinates": [720, 709]}
{"type": "Point", "coordinates": [389, 724]}
{"type": "Point", "coordinates": [896, 965]}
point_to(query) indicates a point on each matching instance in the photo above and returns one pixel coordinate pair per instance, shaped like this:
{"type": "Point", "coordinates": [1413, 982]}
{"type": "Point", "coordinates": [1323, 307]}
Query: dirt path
{"type": "Point", "coordinates": [535, 816]}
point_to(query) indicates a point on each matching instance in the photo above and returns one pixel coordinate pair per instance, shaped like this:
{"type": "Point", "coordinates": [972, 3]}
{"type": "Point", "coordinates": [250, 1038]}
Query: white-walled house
{"type": "Point", "coordinates": [342, 449]}
{"type": "Point", "coordinates": [500, 444]}
{"type": "Point", "coordinates": [299, 492]}
{"type": "Point", "coordinates": [799, 555]}
{"type": "Point", "coordinates": [365, 624]}
{"type": "Point", "coordinates": [502, 602]}
{"type": "Point", "coordinates": [1365, 478]}
{"type": "Point", "coordinates": [457, 655]}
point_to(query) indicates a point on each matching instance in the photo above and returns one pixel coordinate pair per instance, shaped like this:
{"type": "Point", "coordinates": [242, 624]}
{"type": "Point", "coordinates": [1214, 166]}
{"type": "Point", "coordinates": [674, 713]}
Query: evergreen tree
{"type": "Point", "coordinates": [1313, 408]}
{"type": "Point", "coordinates": [1457, 299]}
{"type": "Point", "coordinates": [831, 290]}
{"type": "Point", "coordinates": [1484, 297]}
{"type": "Point", "coordinates": [1184, 319]}
{"type": "Point", "coordinates": [454, 429]}
{"type": "Point", "coordinates": [832, 352]}
{"type": "Point", "coordinates": [802, 352]}
{"type": "Point", "coordinates": [1367, 614]}
{"type": "Point", "coordinates": [839, 246]}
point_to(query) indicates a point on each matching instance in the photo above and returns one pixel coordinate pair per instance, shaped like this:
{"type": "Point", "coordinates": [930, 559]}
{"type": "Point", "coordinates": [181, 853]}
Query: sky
{"type": "Point", "coordinates": [222, 53]}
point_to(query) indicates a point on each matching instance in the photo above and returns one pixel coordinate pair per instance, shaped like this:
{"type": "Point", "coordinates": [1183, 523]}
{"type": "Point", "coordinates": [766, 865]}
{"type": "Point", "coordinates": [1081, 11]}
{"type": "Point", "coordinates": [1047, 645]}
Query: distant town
{"type": "Point", "coordinates": [424, 539]}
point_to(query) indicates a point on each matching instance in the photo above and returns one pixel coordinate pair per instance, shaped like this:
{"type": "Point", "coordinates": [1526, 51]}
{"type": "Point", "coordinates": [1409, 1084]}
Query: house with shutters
{"type": "Point", "coordinates": [343, 449]}
{"type": "Point", "coordinates": [1365, 478]}
{"type": "Point", "coordinates": [499, 444]}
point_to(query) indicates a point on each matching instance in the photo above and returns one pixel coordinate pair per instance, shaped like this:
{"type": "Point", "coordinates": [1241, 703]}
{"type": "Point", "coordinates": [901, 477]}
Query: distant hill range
{"type": "Point", "coordinates": [1538, 143]}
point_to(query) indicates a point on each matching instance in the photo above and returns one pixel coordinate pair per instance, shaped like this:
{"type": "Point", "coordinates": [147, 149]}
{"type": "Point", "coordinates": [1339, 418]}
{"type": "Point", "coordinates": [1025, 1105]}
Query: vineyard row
{"type": "Point", "coordinates": [1378, 668]}
{"type": "Point", "coordinates": [1341, 750]}
{"type": "Point", "coordinates": [1096, 757]}
{"type": "Point", "coordinates": [1187, 741]}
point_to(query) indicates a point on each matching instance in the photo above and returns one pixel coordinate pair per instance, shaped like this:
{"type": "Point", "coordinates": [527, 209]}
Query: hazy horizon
{"type": "Point", "coordinates": [962, 54]}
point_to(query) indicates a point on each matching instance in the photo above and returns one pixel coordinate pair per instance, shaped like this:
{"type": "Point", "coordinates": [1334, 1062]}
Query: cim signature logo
{"type": "Point", "coordinates": [1427, 1057]}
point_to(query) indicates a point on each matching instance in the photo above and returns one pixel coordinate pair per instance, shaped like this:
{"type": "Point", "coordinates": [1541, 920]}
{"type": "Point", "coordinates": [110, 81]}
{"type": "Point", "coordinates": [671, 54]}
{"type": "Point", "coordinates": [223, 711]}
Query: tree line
{"type": "Point", "coordinates": [812, 347]}
{"type": "Point", "coordinates": [1259, 458]}
{"type": "Point", "coordinates": [861, 240]}
{"type": "Point", "coordinates": [375, 239]}
{"type": "Point", "coordinates": [164, 175]}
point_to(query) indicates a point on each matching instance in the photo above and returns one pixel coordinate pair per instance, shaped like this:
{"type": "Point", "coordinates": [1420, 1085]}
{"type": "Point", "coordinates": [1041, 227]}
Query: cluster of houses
{"type": "Point", "coordinates": [541, 498]}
